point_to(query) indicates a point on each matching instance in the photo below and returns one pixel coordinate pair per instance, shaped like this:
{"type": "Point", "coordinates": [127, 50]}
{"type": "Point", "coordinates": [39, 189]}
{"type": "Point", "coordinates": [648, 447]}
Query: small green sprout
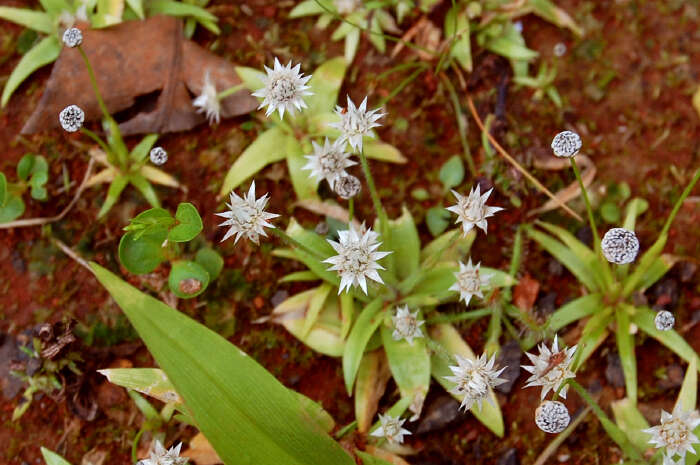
{"type": "Point", "coordinates": [32, 175]}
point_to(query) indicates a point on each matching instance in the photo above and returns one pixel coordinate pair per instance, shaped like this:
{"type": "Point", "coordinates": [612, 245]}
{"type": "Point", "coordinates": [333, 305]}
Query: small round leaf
{"type": "Point", "coordinates": [452, 172]}
{"type": "Point", "coordinates": [12, 209]}
{"type": "Point", "coordinates": [189, 224]}
{"type": "Point", "coordinates": [437, 219]}
{"type": "Point", "coordinates": [141, 254]}
{"type": "Point", "coordinates": [210, 261]}
{"type": "Point", "coordinates": [188, 279]}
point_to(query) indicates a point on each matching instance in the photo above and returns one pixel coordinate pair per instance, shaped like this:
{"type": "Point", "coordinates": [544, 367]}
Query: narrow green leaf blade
{"type": "Point", "coordinates": [367, 323]}
{"type": "Point", "coordinates": [631, 421]}
{"type": "Point", "coordinates": [575, 310]}
{"type": "Point", "coordinates": [115, 190]}
{"type": "Point", "coordinates": [644, 318]}
{"type": "Point", "coordinates": [409, 364]}
{"type": "Point", "coordinates": [41, 54]}
{"type": "Point", "coordinates": [52, 458]}
{"type": "Point", "coordinates": [405, 243]}
{"type": "Point", "coordinates": [36, 20]}
{"type": "Point", "coordinates": [325, 84]}
{"type": "Point", "coordinates": [628, 358]}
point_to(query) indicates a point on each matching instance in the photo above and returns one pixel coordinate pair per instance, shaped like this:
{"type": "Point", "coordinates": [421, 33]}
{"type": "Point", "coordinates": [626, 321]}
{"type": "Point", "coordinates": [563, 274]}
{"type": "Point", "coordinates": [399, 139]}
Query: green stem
{"type": "Point", "coordinates": [453, 318]}
{"type": "Point", "coordinates": [402, 85]}
{"type": "Point", "coordinates": [679, 202]}
{"type": "Point", "coordinates": [291, 241]}
{"type": "Point", "coordinates": [378, 208]}
{"type": "Point", "coordinates": [135, 445]}
{"type": "Point", "coordinates": [351, 209]}
{"type": "Point", "coordinates": [230, 91]}
{"type": "Point", "coordinates": [93, 81]}
{"type": "Point", "coordinates": [103, 145]}
{"type": "Point", "coordinates": [461, 122]}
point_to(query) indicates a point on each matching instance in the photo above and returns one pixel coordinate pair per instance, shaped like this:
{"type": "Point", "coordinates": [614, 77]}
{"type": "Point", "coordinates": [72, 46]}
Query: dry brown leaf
{"type": "Point", "coordinates": [571, 191]}
{"type": "Point", "coordinates": [201, 451]}
{"type": "Point", "coordinates": [372, 377]}
{"type": "Point", "coordinates": [94, 457]}
{"type": "Point", "coordinates": [525, 293]}
{"type": "Point", "coordinates": [145, 69]}
{"type": "Point", "coordinates": [385, 455]}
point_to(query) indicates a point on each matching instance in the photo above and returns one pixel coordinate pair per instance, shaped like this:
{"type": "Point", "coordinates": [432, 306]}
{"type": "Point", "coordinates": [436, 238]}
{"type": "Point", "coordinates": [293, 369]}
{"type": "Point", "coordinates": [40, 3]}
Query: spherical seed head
{"type": "Point", "coordinates": [664, 320]}
{"type": "Point", "coordinates": [158, 156]}
{"type": "Point", "coordinates": [552, 416]}
{"type": "Point", "coordinates": [348, 186]}
{"type": "Point", "coordinates": [620, 246]}
{"type": "Point", "coordinates": [566, 144]}
{"type": "Point", "coordinates": [71, 118]}
{"type": "Point", "coordinates": [72, 37]}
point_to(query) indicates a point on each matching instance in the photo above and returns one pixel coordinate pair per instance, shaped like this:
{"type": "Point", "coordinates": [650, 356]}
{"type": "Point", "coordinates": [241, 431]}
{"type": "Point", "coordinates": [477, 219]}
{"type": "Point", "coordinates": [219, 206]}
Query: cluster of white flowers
{"type": "Point", "coordinates": [284, 89]}
{"type": "Point", "coordinates": [470, 282]}
{"type": "Point", "coordinates": [391, 429]}
{"type": "Point", "coordinates": [208, 100]}
{"type": "Point", "coordinates": [247, 216]}
{"type": "Point", "coordinates": [675, 433]}
{"type": "Point", "coordinates": [472, 210]}
{"type": "Point", "coordinates": [474, 378]}
{"type": "Point", "coordinates": [406, 324]}
{"type": "Point", "coordinates": [329, 161]}
{"type": "Point", "coordinates": [160, 456]}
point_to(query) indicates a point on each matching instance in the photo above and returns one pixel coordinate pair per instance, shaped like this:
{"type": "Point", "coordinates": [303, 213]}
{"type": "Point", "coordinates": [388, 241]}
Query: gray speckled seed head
{"type": "Point", "coordinates": [566, 144]}
{"type": "Point", "coordinates": [552, 417]}
{"type": "Point", "coordinates": [71, 118]}
{"type": "Point", "coordinates": [72, 37]}
{"type": "Point", "coordinates": [347, 186]}
{"type": "Point", "coordinates": [158, 156]}
{"type": "Point", "coordinates": [620, 246]}
{"type": "Point", "coordinates": [664, 320]}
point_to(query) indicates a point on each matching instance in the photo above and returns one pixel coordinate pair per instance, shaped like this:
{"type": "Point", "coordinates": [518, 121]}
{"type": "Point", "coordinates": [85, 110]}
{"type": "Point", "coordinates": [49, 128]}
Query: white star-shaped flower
{"type": "Point", "coordinates": [391, 429]}
{"type": "Point", "coordinates": [247, 216]}
{"type": "Point", "coordinates": [675, 433]}
{"type": "Point", "coordinates": [470, 282]}
{"type": "Point", "coordinates": [328, 161]}
{"type": "Point", "coordinates": [406, 325]}
{"type": "Point", "coordinates": [284, 89]}
{"type": "Point", "coordinates": [472, 210]}
{"type": "Point", "coordinates": [473, 378]}
{"type": "Point", "coordinates": [356, 122]}
{"type": "Point", "coordinates": [551, 368]}
{"type": "Point", "coordinates": [357, 258]}
{"type": "Point", "coordinates": [160, 456]}
{"type": "Point", "coordinates": [208, 101]}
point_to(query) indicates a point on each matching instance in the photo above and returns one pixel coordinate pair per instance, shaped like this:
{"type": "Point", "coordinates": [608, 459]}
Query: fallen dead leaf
{"type": "Point", "coordinates": [94, 457]}
{"type": "Point", "coordinates": [201, 451]}
{"type": "Point", "coordinates": [571, 191]}
{"type": "Point", "coordinates": [144, 69]}
{"type": "Point", "coordinates": [525, 293]}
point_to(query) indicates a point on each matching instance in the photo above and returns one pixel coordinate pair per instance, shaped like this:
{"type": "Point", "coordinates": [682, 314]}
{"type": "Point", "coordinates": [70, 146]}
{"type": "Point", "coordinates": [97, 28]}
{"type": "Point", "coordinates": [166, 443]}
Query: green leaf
{"type": "Point", "coordinates": [631, 421]}
{"type": "Point", "coordinates": [657, 270]}
{"type": "Point", "coordinates": [457, 30]}
{"type": "Point", "coordinates": [142, 253]}
{"type": "Point", "coordinates": [437, 219]}
{"type": "Point", "coordinates": [635, 207]}
{"type": "Point", "coordinates": [409, 364]}
{"type": "Point", "coordinates": [268, 148]}
{"type": "Point", "coordinates": [150, 221]}
{"type": "Point", "coordinates": [316, 304]}
{"type": "Point", "coordinates": [372, 376]}
{"type": "Point", "coordinates": [448, 249]}
{"type": "Point", "coordinates": [369, 459]}
{"type": "Point", "coordinates": [145, 188]}
{"type": "Point", "coordinates": [625, 347]}
{"type": "Point", "coordinates": [189, 224]}
{"type": "Point", "coordinates": [115, 190]}
{"type": "Point", "coordinates": [187, 279]}
{"type": "Point", "coordinates": [378, 150]}
{"type": "Point", "coordinates": [142, 150]}
{"type": "Point", "coordinates": [448, 337]}
{"type": "Point", "coordinates": [150, 381]}
{"type": "Point", "coordinates": [352, 40]}
{"type": "Point", "coordinates": [178, 9]}
{"type": "Point", "coordinates": [555, 15]}
{"type": "Point", "coordinates": [367, 323]}
{"type": "Point", "coordinates": [211, 261]}
{"type": "Point", "coordinates": [3, 189]}
{"type": "Point", "coordinates": [593, 335]}
{"type": "Point", "coordinates": [688, 397]}
{"type": "Point", "coordinates": [325, 84]}
{"type": "Point", "coordinates": [510, 49]}
{"type": "Point", "coordinates": [405, 243]}
{"type": "Point", "coordinates": [137, 6]}
{"type": "Point", "coordinates": [310, 8]}
{"type": "Point", "coordinates": [41, 54]}
{"type": "Point", "coordinates": [35, 20]}
{"type": "Point", "coordinates": [35, 169]}
{"type": "Point", "coordinates": [234, 401]}
{"type": "Point", "coordinates": [299, 276]}
{"type": "Point", "coordinates": [13, 208]}
{"type": "Point", "coordinates": [304, 185]}
{"type": "Point", "coordinates": [452, 172]}
{"type": "Point", "coordinates": [52, 458]}
{"type": "Point", "coordinates": [644, 318]}
{"type": "Point", "coordinates": [575, 310]}
{"type": "Point", "coordinates": [254, 79]}
{"type": "Point", "coordinates": [375, 35]}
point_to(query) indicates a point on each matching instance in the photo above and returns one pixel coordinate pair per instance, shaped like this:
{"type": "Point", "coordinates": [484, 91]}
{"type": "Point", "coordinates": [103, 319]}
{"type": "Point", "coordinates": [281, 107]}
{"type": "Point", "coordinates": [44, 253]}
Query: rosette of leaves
{"type": "Point", "coordinates": [155, 236]}
{"type": "Point", "coordinates": [355, 17]}
{"type": "Point", "coordinates": [290, 139]}
{"type": "Point", "coordinates": [40, 43]}
{"type": "Point", "coordinates": [32, 175]}
{"type": "Point", "coordinates": [609, 302]}
{"type": "Point", "coordinates": [358, 327]}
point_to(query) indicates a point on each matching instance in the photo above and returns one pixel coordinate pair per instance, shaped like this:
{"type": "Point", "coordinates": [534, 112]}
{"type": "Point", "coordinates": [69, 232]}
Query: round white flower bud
{"type": "Point", "coordinates": [72, 37]}
{"type": "Point", "coordinates": [620, 246]}
{"type": "Point", "coordinates": [158, 156]}
{"type": "Point", "coordinates": [552, 417]}
{"type": "Point", "coordinates": [347, 186]}
{"type": "Point", "coordinates": [664, 320]}
{"type": "Point", "coordinates": [71, 118]}
{"type": "Point", "coordinates": [566, 144]}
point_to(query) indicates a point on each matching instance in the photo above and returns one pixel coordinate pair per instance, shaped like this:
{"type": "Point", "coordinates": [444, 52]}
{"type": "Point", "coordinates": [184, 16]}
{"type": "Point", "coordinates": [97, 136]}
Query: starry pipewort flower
{"type": "Point", "coordinates": [208, 101]}
{"type": "Point", "coordinates": [328, 161]}
{"type": "Point", "coordinates": [664, 320]}
{"type": "Point", "coordinates": [247, 216]}
{"type": "Point", "coordinates": [347, 186]}
{"type": "Point", "coordinates": [71, 118]}
{"type": "Point", "coordinates": [391, 429]}
{"type": "Point", "coordinates": [551, 368]}
{"type": "Point", "coordinates": [158, 156]}
{"type": "Point", "coordinates": [470, 282]}
{"type": "Point", "coordinates": [72, 37]}
{"type": "Point", "coordinates": [552, 416]}
{"type": "Point", "coordinates": [357, 258]}
{"type": "Point", "coordinates": [406, 325]}
{"type": "Point", "coordinates": [160, 456]}
{"type": "Point", "coordinates": [472, 210]}
{"type": "Point", "coordinates": [620, 246]}
{"type": "Point", "coordinates": [284, 89]}
{"type": "Point", "coordinates": [473, 378]}
{"type": "Point", "coordinates": [356, 122]}
{"type": "Point", "coordinates": [566, 144]}
{"type": "Point", "coordinates": [675, 433]}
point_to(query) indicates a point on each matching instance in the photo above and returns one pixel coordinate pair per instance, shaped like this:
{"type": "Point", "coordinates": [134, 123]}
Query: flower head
{"type": "Point", "coordinates": [552, 416]}
{"type": "Point", "coordinates": [566, 144]}
{"type": "Point", "coordinates": [208, 101]}
{"type": "Point", "coordinates": [247, 216]}
{"type": "Point", "coordinates": [71, 118]}
{"type": "Point", "coordinates": [675, 432]}
{"type": "Point", "coordinates": [328, 161]}
{"type": "Point", "coordinates": [550, 368]}
{"type": "Point", "coordinates": [472, 210]}
{"type": "Point", "coordinates": [470, 282]}
{"type": "Point", "coordinates": [160, 456]}
{"type": "Point", "coordinates": [664, 320]}
{"type": "Point", "coordinates": [473, 378]}
{"type": "Point", "coordinates": [357, 258]}
{"type": "Point", "coordinates": [406, 324]}
{"type": "Point", "coordinates": [158, 156]}
{"type": "Point", "coordinates": [348, 186]}
{"type": "Point", "coordinates": [284, 89]}
{"type": "Point", "coordinates": [620, 246]}
{"type": "Point", "coordinates": [72, 37]}
{"type": "Point", "coordinates": [356, 122]}
{"type": "Point", "coordinates": [391, 429]}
